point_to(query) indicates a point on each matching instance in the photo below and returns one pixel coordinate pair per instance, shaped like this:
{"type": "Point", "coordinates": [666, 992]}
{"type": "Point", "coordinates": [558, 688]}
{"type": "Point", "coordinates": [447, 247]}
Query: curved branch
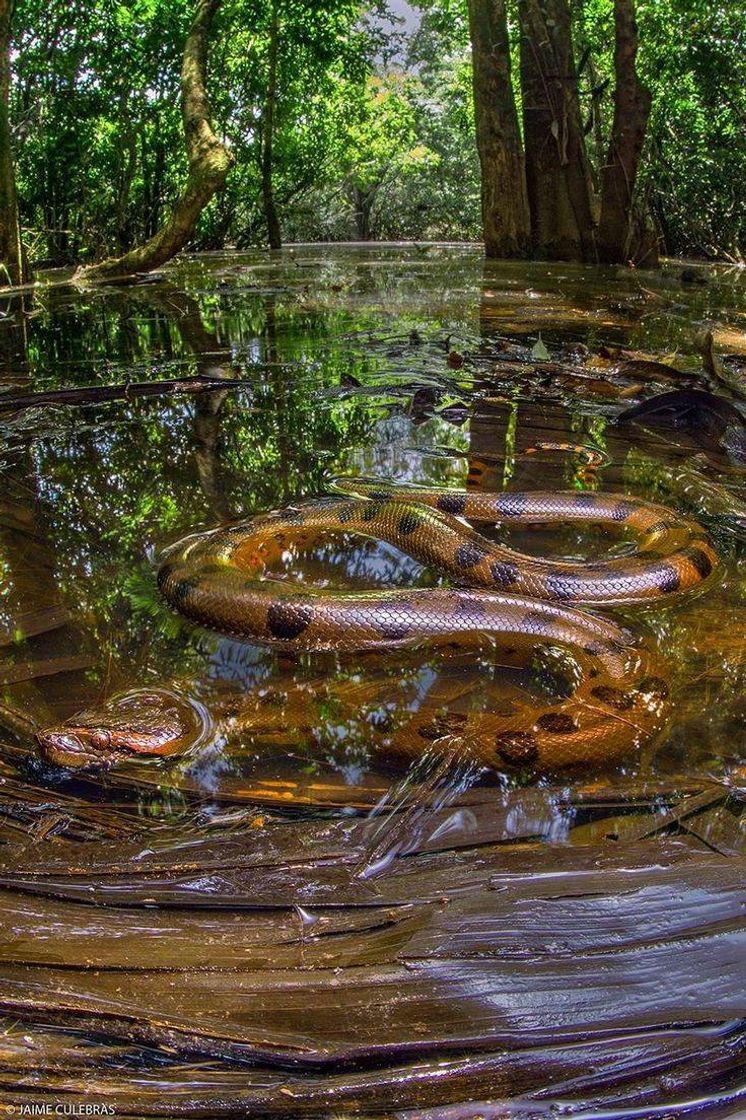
{"type": "Point", "coordinates": [209, 162]}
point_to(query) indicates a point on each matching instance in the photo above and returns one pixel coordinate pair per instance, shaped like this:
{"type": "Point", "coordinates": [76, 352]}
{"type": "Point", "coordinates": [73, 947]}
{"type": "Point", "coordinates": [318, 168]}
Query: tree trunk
{"type": "Point", "coordinates": [597, 124]}
{"type": "Point", "coordinates": [127, 176]}
{"type": "Point", "coordinates": [153, 178]}
{"type": "Point", "coordinates": [209, 162]}
{"type": "Point", "coordinates": [560, 192]}
{"type": "Point", "coordinates": [12, 255]}
{"type": "Point", "coordinates": [618, 231]}
{"type": "Point", "coordinates": [363, 202]}
{"type": "Point", "coordinates": [505, 216]}
{"type": "Point", "coordinates": [274, 233]}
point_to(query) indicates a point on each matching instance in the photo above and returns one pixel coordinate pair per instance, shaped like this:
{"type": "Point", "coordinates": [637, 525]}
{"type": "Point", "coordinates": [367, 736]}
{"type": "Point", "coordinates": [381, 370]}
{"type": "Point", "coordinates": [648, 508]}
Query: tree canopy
{"type": "Point", "coordinates": [340, 127]}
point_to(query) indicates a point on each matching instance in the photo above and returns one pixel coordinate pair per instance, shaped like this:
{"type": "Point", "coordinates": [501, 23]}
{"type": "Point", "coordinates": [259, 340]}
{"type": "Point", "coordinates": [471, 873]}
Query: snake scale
{"type": "Point", "coordinates": [218, 579]}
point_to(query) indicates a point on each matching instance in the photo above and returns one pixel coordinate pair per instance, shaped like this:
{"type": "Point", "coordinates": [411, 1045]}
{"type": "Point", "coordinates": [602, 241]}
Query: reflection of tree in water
{"type": "Point", "coordinates": [132, 476]}
{"type": "Point", "coordinates": [335, 731]}
{"type": "Point", "coordinates": [211, 361]}
{"type": "Point", "coordinates": [43, 650]}
{"type": "Point", "coordinates": [350, 561]}
{"type": "Point", "coordinates": [656, 467]}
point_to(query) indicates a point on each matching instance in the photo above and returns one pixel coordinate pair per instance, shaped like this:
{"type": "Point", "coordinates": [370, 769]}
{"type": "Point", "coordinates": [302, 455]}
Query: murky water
{"type": "Point", "coordinates": [419, 364]}
{"type": "Point", "coordinates": [415, 364]}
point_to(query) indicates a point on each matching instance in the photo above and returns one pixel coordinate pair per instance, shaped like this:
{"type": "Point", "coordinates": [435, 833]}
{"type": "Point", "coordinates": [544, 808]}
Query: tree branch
{"type": "Point", "coordinates": [209, 162]}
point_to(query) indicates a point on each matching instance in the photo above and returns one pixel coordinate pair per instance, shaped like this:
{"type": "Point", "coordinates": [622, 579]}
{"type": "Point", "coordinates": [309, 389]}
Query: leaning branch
{"type": "Point", "coordinates": [209, 162]}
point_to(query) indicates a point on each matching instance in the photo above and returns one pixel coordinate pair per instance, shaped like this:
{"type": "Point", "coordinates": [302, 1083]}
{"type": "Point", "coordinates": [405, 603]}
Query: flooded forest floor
{"type": "Point", "coordinates": [293, 917]}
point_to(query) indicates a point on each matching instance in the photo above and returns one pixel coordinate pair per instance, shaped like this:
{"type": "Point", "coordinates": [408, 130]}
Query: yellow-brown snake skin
{"type": "Point", "coordinates": [217, 579]}
{"type": "Point", "coordinates": [619, 699]}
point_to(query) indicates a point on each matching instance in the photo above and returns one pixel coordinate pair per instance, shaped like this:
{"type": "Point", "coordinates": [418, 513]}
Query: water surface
{"type": "Point", "coordinates": [199, 936]}
{"type": "Point", "coordinates": [418, 364]}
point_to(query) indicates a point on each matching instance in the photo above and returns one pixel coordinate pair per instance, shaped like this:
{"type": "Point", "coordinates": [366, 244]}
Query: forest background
{"type": "Point", "coordinates": [336, 120]}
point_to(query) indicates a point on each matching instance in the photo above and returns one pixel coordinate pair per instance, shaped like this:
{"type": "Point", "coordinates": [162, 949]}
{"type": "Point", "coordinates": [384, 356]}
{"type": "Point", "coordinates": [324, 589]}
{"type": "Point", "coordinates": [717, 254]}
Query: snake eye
{"type": "Point", "coordinates": [101, 739]}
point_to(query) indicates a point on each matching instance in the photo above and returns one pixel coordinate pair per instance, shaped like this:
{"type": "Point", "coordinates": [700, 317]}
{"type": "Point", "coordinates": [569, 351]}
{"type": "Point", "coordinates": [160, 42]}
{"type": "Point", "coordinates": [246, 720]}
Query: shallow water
{"type": "Point", "coordinates": [417, 364]}
{"type": "Point", "coordinates": [189, 892]}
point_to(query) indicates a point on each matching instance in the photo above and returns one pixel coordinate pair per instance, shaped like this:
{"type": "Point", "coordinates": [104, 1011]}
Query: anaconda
{"type": "Point", "coordinates": [218, 579]}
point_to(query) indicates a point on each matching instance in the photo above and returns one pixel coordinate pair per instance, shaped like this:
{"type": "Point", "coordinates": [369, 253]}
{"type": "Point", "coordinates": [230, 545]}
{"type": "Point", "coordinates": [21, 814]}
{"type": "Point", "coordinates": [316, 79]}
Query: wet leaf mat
{"type": "Point", "coordinates": [230, 976]}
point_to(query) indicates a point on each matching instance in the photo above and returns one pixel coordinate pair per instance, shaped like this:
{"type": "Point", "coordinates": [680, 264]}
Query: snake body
{"type": "Point", "coordinates": [218, 579]}
{"type": "Point", "coordinates": [215, 578]}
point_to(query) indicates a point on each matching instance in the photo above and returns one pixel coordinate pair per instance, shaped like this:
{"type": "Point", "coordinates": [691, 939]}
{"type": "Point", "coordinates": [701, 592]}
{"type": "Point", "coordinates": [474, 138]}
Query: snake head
{"type": "Point", "coordinates": [144, 722]}
{"type": "Point", "coordinates": [77, 747]}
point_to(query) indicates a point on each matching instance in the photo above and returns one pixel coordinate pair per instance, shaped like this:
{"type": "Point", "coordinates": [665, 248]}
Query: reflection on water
{"type": "Point", "coordinates": [420, 366]}
{"type": "Point", "coordinates": [335, 901]}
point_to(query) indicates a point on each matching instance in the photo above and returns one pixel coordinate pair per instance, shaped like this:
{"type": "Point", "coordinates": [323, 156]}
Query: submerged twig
{"type": "Point", "coordinates": [93, 394]}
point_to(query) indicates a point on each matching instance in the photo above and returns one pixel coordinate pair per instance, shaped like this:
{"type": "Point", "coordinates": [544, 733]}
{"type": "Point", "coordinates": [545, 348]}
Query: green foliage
{"type": "Point", "coordinates": [444, 197]}
{"type": "Point", "coordinates": [369, 139]}
{"type": "Point", "coordinates": [97, 127]}
{"type": "Point", "coordinates": [407, 165]}
{"type": "Point", "coordinates": [321, 49]}
{"type": "Point", "coordinates": [693, 59]}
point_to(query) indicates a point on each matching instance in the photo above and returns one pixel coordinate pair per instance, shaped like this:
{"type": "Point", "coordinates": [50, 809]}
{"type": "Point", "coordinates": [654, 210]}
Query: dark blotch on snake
{"type": "Point", "coordinates": [181, 589]}
{"type": "Point", "coordinates": [700, 560]}
{"type": "Point", "coordinates": [468, 555]}
{"type": "Point", "coordinates": [585, 500]}
{"type": "Point", "coordinates": [667, 579]}
{"type": "Point", "coordinates": [165, 572]}
{"type": "Point", "coordinates": [504, 573]}
{"type": "Point", "coordinates": [468, 605]}
{"type": "Point", "coordinates": [600, 569]}
{"type": "Point", "coordinates": [452, 503]}
{"type": "Point", "coordinates": [394, 631]}
{"type": "Point", "coordinates": [517, 748]}
{"type": "Point", "coordinates": [557, 723]}
{"type": "Point", "coordinates": [446, 724]}
{"type": "Point", "coordinates": [511, 505]}
{"type": "Point", "coordinates": [408, 522]}
{"type": "Point", "coordinates": [653, 686]}
{"type": "Point", "coordinates": [614, 697]}
{"type": "Point", "coordinates": [397, 625]}
{"type": "Point", "coordinates": [346, 512]}
{"type": "Point", "coordinates": [539, 622]}
{"type": "Point", "coordinates": [602, 646]}
{"type": "Point", "coordinates": [622, 510]}
{"type": "Point", "coordinates": [371, 510]}
{"type": "Point", "coordinates": [287, 620]}
{"type": "Point", "coordinates": [556, 585]}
